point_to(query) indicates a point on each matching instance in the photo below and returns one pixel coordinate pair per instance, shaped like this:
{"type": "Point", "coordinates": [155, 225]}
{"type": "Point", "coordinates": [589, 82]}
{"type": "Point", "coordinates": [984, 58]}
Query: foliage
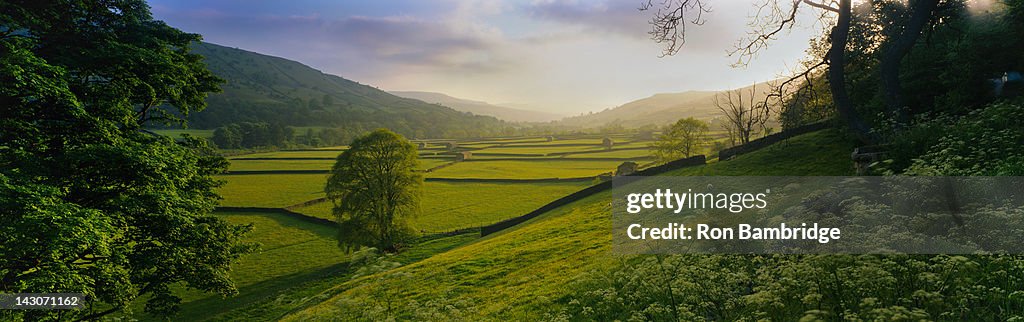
{"type": "Point", "coordinates": [89, 202]}
{"type": "Point", "coordinates": [252, 135]}
{"type": "Point", "coordinates": [984, 142]}
{"type": "Point", "coordinates": [375, 188]}
{"type": "Point", "coordinates": [680, 140]}
{"type": "Point", "coordinates": [815, 287]}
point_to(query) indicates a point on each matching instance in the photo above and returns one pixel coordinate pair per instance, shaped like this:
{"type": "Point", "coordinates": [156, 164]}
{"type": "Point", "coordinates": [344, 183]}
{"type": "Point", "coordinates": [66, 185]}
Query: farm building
{"type": "Point", "coordinates": [550, 138]}
{"type": "Point", "coordinates": [421, 145]}
{"type": "Point", "coordinates": [607, 143]}
{"type": "Point", "coordinates": [463, 156]}
{"type": "Point", "coordinates": [451, 145]}
{"type": "Point", "coordinates": [626, 168]}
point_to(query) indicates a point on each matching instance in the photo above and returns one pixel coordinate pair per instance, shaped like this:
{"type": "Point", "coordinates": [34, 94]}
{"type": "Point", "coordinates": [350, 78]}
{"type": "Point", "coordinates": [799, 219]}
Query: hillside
{"type": "Point", "coordinates": [273, 89]}
{"type": "Point", "coordinates": [479, 108]}
{"type": "Point", "coordinates": [659, 109]}
{"type": "Point", "coordinates": [536, 269]}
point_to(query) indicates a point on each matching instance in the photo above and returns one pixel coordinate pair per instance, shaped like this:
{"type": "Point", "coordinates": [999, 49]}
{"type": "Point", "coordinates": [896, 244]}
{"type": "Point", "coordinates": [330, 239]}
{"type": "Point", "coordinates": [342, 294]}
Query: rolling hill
{"type": "Point", "coordinates": [262, 88]}
{"type": "Point", "coordinates": [532, 271]}
{"type": "Point", "coordinates": [479, 108]}
{"type": "Point", "coordinates": [659, 109]}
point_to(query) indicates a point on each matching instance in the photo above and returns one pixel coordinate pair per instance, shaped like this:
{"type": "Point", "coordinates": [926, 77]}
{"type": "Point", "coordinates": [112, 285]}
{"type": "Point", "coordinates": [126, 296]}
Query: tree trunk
{"type": "Point", "coordinates": [837, 75]}
{"type": "Point", "coordinates": [899, 46]}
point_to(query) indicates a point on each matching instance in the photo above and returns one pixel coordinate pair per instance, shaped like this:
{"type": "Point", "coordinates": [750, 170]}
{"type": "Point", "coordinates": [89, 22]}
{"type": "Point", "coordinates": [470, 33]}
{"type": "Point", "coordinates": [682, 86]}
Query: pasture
{"type": "Point", "coordinates": [300, 264]}
{"type": "Point", "coordinates": [296, 261]}
{"type": "Point", "coordinates": [447, 206]}
{"type": "Point", "coordinates": [271, 190]}
{"type": "Point", "coordinates": [528, 169]}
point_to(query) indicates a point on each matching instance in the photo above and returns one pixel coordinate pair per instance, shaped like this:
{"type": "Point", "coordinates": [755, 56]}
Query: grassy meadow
{"type": "Point", "coordinates": [529, 271]}
{"type": "Point", "coordinates": [300, 265]}
{"type": "Point", "coordinates": [449, 206]}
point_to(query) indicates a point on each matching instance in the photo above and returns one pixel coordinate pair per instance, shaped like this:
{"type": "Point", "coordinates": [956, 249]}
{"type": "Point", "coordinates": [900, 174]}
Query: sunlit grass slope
{"type": "Point", "coordinates": [448, 206]}
{"type": "Point", "coordinates": [530, 169]}
{"type": "Point", "coordinates": [521, 274]}
{"type": "Point", "coordinates": [286, 190]}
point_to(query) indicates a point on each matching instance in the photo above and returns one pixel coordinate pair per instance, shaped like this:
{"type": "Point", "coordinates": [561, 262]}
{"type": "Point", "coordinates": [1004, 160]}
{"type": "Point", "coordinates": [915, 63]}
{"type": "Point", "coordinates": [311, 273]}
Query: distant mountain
{"type": "Point", "coordinates": [277, 90]}
{"type": "Point", "coordinates": [480, 108]}
{"type": "Point", "coordinates": [659, 109]}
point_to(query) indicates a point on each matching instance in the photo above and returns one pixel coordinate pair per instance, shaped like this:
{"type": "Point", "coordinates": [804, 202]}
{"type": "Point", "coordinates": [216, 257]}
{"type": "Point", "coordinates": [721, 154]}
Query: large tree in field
{"type": "Point", "coordinates": [90, 202]}
{"type": "Point", "coordinates": [680, 140]}
{"type": "Point", "coordinates": [375, 189]}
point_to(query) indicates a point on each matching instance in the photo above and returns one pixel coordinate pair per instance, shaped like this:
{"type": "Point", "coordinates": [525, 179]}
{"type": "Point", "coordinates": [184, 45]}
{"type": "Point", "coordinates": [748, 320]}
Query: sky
{"type": "Point", "coordinates": [560, 56]}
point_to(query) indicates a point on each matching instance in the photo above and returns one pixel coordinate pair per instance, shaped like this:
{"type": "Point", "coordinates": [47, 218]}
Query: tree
{"type": "Point", "coordinates": [228, 136]}
{"type": "Point", "coordinates": [741, 113]}
{"type": "Point", "coordinates": [680, 140]}
{"type": "Point", "coordinates": [375, 188]}
{"type": "Point", "coordinates": [669, 22]}
{"type": "Point", "coordinates": [90, 203]}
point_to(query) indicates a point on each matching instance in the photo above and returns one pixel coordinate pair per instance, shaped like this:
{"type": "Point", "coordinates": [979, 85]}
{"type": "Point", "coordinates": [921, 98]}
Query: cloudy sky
{"type": "Point", "coordinates": [560, 56]}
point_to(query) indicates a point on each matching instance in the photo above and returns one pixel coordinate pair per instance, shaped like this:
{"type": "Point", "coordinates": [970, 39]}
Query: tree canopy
{"type": "Point", "coordinates": [375, 188]}
{"type": "Point", "coordinates": [680, 140]}
{"type": "Point", "coordinates": [90, 203]}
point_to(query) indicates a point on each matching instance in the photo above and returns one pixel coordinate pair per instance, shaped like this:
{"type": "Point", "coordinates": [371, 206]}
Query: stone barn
{"type": "Point", "coordinates": [626, 168]}
{"type": "Point", "coordinates": [421, 145]}
{"type": "Point", "coordinates": [550, 138]}
{"type": "Point", "coordinates": [607, 143]}
{"type": "Point", "coordinates": [463, 156]}
{"type": "Point", "coordinates": [452, 145]}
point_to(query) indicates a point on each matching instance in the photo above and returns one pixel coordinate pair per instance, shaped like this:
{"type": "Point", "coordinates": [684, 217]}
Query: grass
{"type": "Point", "coordinates": [176, 133]}
{"type": "Point", "coordinates": [448, 206]}
{"type": "Point", "coordinates": [539, 150]}
{"type": "Point", "coordinates": [612, 154]}
{"type": "Point", "coordinates": [294, 164]}
{"type": "Point", "coordinates": [528, 271]}
{"type": "Point", "coordinates": [525, 169]}
{"type": "Point", "coordinates": [818, 153]}
{"type": "Point", "coordinates": [298, 260]}
{"type": "Point", "coordinates": [271, 190]}
{"type": "Point", "coordinates": [292, 251]}
{"type": "Point", "coordinates": [300, 164]}
{"type": "Point", "coordinates": [293, 154]}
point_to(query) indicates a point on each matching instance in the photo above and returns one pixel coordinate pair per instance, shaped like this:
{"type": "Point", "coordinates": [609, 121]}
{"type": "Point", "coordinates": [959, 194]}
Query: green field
{"type": "Point", "coordinates": [525, 169]}
{"type": "Point", "coordinates": [300, 164]}
{"type": "Point", "coordinates": [294, 154]}
{"type": "Point", "coordinates": [297, 261]}
{"type": "Point", "coordinates": [293, 164]}
{"type": "Point", "coordinates": [529, 271]}
{"type": "Point", "coordinates": [612, 154]}
{"type": "Point", "coordinates": [539, 149]}
{"type": "Point", "coordinates": [176, 133]}
{"type": "Point", "coordinates": [271, 190]}
{"type": "Point", "coordinates": [453, 205]}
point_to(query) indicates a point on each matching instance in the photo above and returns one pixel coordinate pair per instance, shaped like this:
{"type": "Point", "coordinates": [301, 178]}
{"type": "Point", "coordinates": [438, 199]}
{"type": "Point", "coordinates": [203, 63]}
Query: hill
{"type": "Point", "coordinates": [659, 109]}
{"type": "Point", "coordinates": [262, 88]}
{"type": "Point", "coordinates": [479, 108]}
{"type": "Point", "coordinates": [537, 268]}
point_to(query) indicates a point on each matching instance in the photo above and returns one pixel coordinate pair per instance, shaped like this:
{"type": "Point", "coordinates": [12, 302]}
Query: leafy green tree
{"type": "Point", "coordinates": [228, 136]}
{"type": "Point", "coordinates": [375, 188]}
{"type": "Point", "coordinates": [680, 140]}
{"type": "Point", "coordinates": [90, 203]}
